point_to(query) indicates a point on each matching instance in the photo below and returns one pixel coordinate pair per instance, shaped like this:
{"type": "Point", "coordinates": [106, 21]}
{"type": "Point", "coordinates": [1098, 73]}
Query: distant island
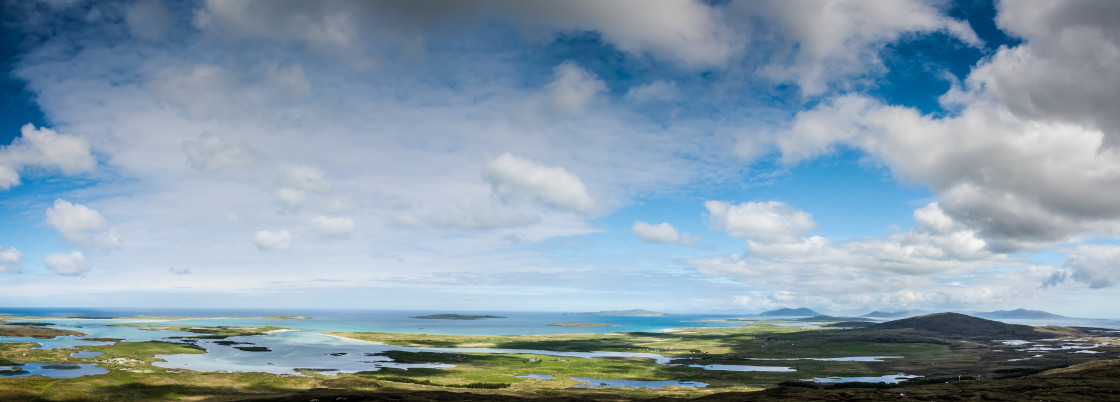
{"type": "Point", "coordinates": [791, 312]}
{"type": "Point", "coordinates": [581, 324]}
{"type": "Point", "coordinates": [629, 313]}
{"type": "Point", "coordinates": [456, 317]}
{"type": "Point", "coordinates": [1020, 314]}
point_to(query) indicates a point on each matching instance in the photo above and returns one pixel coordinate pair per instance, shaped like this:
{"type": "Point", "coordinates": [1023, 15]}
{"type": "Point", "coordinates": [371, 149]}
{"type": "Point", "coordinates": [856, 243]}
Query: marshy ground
{"type": "Point", "coordinates": [956, 357]}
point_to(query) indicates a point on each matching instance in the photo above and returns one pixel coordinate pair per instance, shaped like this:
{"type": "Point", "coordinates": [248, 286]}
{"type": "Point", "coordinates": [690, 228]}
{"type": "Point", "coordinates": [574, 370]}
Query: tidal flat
{"type": "Point", "coordinates": [175, 361]}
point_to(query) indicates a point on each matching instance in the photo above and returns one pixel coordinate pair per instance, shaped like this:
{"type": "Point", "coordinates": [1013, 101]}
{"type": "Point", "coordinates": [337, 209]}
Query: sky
{"type": "Point", "coordinates": [500, 155]}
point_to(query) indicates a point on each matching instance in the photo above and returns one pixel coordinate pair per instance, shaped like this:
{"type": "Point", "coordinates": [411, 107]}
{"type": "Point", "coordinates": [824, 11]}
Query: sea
{"type": "Point", "coordinates": [398, 321]}
{"type": "Point", "coordinates": [306, 347]}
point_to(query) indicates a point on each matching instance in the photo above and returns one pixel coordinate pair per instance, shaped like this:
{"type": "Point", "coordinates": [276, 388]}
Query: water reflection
{"type": "Point", "coordinates": [889, 379]}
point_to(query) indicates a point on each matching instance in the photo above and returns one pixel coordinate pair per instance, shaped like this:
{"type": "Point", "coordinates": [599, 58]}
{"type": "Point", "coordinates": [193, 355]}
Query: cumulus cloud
{"type": "Point", "coordinates": [573, 89]}
{"type": "Point", "coordinates": [870, 271]}
{"type": "Point", "coordinates": [766, 222]}
{"type": "Point", "coordinates": [688, 33]}
{"type": "Point", "coordinates": [210, 153]}
{"type": "Point", "coordinates": [70, 264]}
{"type": "Point", "coordinates": [332, 227]}
{"type": "Point", "coordinates": [11, 261]}
{"type": "Point", "coordinates": [294, 184]}
{"type": "Point", "coordinates": [823, 41]}
{"type": "Point", "coordinates": [46, 149]}
{"type": "Point", "coordinates": [514, 177]}
{"type": "Point", "coordinates": [662, 233]}
{"type": "Point", "coordinates": [657, 91]}
{"type": "Point", "coordinates": [1095, 265]}
{"type": "Point", "coordinates": [288, 199]}
{"type": "Point", "coordinates": [273, 241]}
{"type": "Point", "coordinates": [75, 222]}
{"type": "Point", "coordinates": [1064, 69]}
{"type": "Point", "coordinates": [1023, 184]}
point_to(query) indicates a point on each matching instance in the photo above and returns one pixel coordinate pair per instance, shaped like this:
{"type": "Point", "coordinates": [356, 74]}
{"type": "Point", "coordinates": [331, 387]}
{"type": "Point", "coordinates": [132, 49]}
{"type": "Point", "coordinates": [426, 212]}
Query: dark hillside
{"type": "Point", "coordinates": [960, 326]}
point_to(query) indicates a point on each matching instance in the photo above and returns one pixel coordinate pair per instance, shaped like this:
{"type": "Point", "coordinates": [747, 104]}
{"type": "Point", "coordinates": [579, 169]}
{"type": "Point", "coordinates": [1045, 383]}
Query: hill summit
{"type": "Point", "coordinates": [960, 326]}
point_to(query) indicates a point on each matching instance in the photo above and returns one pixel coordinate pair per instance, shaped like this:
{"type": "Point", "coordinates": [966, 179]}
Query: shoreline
{"type": "Point", "coordinates": [351, 340]}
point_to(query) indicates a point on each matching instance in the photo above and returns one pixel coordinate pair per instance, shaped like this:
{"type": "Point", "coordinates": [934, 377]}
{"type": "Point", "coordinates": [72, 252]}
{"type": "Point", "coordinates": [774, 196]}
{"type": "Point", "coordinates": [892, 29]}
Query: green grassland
{"type": "Point", "coordinates": [218, 332]}
{"type": "Point", "coordinates": [35, 332]}
{"type": "Point", "coordinates": [133, 376]}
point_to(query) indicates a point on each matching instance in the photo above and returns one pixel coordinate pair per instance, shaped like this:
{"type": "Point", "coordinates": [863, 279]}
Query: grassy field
{"type": "Point", "coordinates": [219, 332]}
{"type": "Point", "coordinates": [133, 376]}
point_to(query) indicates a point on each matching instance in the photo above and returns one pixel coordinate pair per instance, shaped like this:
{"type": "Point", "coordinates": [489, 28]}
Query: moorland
{"type": "Point", "coordinates": [944, 356]}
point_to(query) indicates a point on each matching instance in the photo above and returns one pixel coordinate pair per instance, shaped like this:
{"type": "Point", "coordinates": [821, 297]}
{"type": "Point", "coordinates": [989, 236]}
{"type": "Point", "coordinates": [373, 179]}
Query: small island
{"type": "Point", "coordinates": [628, 313]}
{"type": "Point", "coordinates": [581, 324]}
{"type": "Point", "coordinates": [456, 317]}
{"type": "Point", "coordinates": [35, 330]}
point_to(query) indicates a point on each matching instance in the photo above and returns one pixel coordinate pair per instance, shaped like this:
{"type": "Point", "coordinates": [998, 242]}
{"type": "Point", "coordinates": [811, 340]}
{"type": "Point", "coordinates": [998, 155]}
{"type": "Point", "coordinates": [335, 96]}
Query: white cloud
{"type": "Point", "coordinates": [209, 153]}
{"type": "Point", "coordinates": [11, 261]}
{"type": "Point", "coordinates": [304, 178]}
{"type": "Point", "coordinates": [332, 227]}
{"type": "Point", "coordinates": [662, 233]}
{"type": "Point", "coordinates": [765, 222]}
{"type": "Point", "coordinates": [688, 33]}
{"type": "Point", "coordinates": [816, 270]}
{"type": "Point", "coordinates": [573, 89]}
{"type": "Point", "coordinates": [179, 271]}
{"type": "Point", "coordinates": [821, 42]}
{"type": "Point", "coordinates": [111, 240]}
{"type": "Point", "coordinates": [289, 200]}
{"type": "Point", "coordinates": [1064, 69]}
{"type": "Point", "coordinates": [1095, 265]}
{"type": "Point", "coordinates": [43, 148]}
{"type": "Point", "coordinates": [75, 222]}
{"type": "Point", "coordinates": [657, 91]}
{"type": "Point", "coordinates": [70, 264]}
{"type": "Point", "coordinates": [278, 241]}
{"type": "Point", "coordinates": [515, 177]}
{"type": "Point", "coordinates": [1022, 184]}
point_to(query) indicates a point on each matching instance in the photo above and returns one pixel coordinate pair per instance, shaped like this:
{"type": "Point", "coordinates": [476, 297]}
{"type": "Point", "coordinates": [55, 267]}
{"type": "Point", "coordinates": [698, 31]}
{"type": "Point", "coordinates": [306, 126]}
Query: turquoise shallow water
{"type": "Point", "coordinates": [515, 323]}
{"type": "Point", "coordinates": [305, 347]}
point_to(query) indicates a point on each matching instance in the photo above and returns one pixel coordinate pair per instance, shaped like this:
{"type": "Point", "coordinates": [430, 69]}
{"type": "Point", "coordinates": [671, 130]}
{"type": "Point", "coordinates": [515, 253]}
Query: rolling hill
{"type": "Point", "coordinates": [960, 326]}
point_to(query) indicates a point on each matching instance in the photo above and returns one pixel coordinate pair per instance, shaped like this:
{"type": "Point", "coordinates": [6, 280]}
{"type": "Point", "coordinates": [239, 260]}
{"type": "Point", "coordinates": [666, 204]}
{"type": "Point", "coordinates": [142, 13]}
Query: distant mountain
{"type": "Point", "coordinates": [1019, 314]}
{"type": "Point", "coordinates": [791, 312]}
{"type": "Point", "coordinates": [960, 326]}
{"type": "Point", "coordinates": [629, 313]}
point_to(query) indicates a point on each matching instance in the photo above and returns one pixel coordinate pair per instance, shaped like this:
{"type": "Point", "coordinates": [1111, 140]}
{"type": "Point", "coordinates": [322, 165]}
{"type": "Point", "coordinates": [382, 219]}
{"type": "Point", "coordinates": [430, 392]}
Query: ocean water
{"type": "Point", "coordinates": [515, 323]}
{"type": "Point", "coordinates": [306, 348]}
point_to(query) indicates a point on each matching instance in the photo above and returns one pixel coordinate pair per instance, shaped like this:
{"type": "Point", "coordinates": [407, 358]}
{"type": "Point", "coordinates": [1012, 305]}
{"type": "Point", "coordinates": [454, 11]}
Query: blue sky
{"type": "Point", "coordinates": [534, 155]}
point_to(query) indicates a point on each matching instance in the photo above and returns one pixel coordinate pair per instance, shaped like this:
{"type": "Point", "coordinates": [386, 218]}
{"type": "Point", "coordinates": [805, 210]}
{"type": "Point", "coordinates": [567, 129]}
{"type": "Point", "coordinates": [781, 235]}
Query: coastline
{"type": "Point", "coordinates": [351, 340]}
